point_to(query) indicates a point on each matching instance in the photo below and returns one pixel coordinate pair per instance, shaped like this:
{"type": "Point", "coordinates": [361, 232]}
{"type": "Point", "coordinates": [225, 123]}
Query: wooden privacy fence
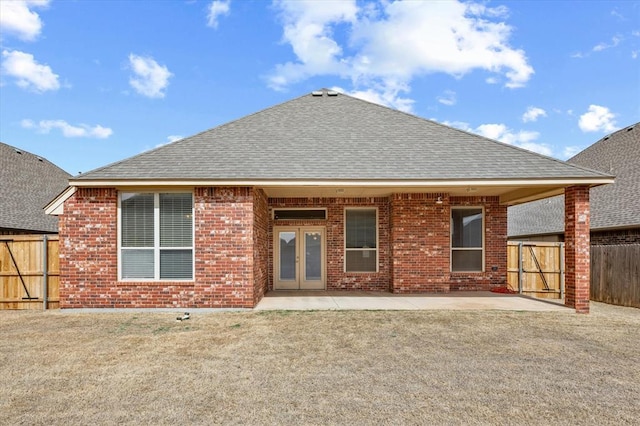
{"type": "Point", "coordinates": [615, 274]}
{"type": "Point", "coordinates": [29, 272]}
{"type": "Point", "coordinates": [536, 268]}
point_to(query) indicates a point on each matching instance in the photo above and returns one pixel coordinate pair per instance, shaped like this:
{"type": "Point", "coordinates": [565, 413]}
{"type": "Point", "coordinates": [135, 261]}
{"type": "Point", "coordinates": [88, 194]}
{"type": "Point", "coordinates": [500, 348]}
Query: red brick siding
{"type": "Point", "coordinates": [615, 237]}
{"type": "Point", "coordinates": [224, 247]}
{"type": "Point", "coordinates": [337, 278]}
{"type": "Point", "coordinates": [577, 248]}
{"type": "Point", "coordinates": [88, 250]}
{"type": "Point", "coordinates": [495, 246]}
{"type": "Point", "coordinates": [419, 243]}
{"type": "Point", "coordinates": [224, 256]}
{"type": "Point", "coordinates": [234, 248]}
{"type": "Point", "coordinates": [260, 244]}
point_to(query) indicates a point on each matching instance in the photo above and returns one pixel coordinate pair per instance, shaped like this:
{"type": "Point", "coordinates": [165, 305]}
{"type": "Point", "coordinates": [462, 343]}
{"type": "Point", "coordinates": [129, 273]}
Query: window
{"type": "Point", "coordinates": [361, 240]}
{"type": "Point", "coordinates": [156, 236]}
{"type": "Point", "coordinates": [300, 214]}
{"type": "Point", "coordinates": [467, 240]}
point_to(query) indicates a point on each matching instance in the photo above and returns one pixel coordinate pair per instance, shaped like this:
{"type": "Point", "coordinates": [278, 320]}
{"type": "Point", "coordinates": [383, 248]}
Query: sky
{"type": "Point", "coordinates": [85, 83]}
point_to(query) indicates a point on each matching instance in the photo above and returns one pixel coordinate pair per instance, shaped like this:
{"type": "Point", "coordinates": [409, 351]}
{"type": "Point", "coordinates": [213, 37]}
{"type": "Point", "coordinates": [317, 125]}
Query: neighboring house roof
{"type": "Point", "coordinates": [27, 183]}
{"type": "Point", "coordinates": [335, 137]}
{"type": "Point", "coordinates": [612, 206]}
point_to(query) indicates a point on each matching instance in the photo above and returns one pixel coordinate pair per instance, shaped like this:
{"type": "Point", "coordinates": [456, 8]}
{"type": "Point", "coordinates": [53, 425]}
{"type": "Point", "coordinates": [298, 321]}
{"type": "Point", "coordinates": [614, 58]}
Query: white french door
{"type": "Point", "coordinates": [299, 258]}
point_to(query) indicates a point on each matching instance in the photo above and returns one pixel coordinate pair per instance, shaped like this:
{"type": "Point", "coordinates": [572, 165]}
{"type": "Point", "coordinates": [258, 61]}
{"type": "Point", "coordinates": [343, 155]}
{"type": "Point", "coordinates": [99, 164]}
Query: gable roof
{"type": "Point", "coordinates": [327, 136]}
{"type": "Point", "coordinates": [612, 206]}
{"type": "Point", "coordinates": [27, 183]}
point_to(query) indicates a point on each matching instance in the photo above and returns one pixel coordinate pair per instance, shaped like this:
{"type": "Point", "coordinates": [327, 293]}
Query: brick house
{"type": "Point", "coordinates": [615, 209]}
{"type": "Point", "coordinates": [325, 191]}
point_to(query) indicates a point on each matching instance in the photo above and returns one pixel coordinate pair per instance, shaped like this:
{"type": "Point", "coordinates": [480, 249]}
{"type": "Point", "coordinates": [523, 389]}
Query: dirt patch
{"type": "Point", "coordinates": [325, 367]}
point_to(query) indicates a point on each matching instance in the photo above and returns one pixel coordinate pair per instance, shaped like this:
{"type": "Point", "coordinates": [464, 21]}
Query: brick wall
{"type": "Point", "coordinates": [419, 243]}
{"type": "Point", "coordinates": [234, 248]}
{"type": "Point", "coordinates": [337, 279]}
{"type": "Point", "coordinates": [577, 248]}
{"type": "Point", "coordinates": [224, 255]}
{"type": "Point", "coordinates": [615, 237]}
{"type": "Point", "coordinates": [260, 244]}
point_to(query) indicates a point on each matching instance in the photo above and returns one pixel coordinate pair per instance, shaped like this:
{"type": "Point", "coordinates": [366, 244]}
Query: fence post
{"type": "Point", "coordinates": [45, 272]}
{"type": "Point", "coordinates": [561, 247]}
{"type": "Point", "coordinates": [520, 272]}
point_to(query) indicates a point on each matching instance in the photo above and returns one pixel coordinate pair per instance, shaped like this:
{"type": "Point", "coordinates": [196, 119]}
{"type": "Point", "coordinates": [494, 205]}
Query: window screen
{"type": "Point", "coordinates": [361, 239]}
{"type": "Point", "coordinates": [467, 239]}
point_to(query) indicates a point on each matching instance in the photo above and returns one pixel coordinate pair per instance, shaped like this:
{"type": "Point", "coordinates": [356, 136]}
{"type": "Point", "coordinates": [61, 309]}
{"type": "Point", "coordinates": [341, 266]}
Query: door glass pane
{"type": "Point", "coordinates": [287, 256]}
{"type": "Point", "coordinates": [313, 256]}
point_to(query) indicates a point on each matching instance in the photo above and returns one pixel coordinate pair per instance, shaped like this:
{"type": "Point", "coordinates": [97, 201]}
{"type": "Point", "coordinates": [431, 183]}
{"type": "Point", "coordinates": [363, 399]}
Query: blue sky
{"type": "Point", "coordinates": [87, 83]}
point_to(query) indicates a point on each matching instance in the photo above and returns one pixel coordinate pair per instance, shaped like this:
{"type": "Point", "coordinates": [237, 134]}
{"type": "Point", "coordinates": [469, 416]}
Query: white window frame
{"type": "Point", "coordinates": [344, 243]}
{"type": "Point", "coordinates": [156, 237]}
{"type": "Point", "coordinates": [452, 249]}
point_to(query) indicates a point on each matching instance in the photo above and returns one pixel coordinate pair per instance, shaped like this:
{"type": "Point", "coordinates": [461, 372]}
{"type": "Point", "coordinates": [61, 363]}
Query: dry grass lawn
{"type": "Point", "coordinates": [328, 367]}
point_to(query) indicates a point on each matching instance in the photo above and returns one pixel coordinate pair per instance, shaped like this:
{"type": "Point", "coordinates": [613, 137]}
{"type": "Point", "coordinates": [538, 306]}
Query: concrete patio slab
{"type": "Point", "coordinates": [322, 300]}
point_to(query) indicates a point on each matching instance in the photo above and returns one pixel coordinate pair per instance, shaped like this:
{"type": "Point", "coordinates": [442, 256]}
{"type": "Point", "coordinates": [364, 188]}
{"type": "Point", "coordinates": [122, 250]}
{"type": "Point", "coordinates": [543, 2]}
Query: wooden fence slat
{"type": "Point", "coordinates": [28, 253]}
{"type": "Point", "coordinates": [541, 268]}
{"type": "Point", "coordinates": [615, 274]}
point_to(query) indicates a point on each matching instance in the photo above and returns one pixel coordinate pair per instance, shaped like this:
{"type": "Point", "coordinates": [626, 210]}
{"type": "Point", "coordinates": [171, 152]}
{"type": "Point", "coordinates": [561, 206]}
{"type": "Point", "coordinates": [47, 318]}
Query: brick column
{"type": "Point", "coordinates": [577, 248]}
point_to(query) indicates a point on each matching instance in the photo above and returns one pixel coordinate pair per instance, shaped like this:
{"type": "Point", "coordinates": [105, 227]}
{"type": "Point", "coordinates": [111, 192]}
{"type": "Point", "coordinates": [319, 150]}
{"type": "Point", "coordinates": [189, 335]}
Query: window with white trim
{"type": "Point", "coordinates": [467, 239]}
{"type": "Point", "coordinates": [361, 240]}
{"type": "Point", "coordinates": [156, 236]}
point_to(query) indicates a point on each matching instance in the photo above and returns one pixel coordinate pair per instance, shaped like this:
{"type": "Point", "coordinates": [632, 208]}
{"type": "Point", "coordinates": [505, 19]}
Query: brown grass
{"type": "Point", "coordinates": [345, 367]}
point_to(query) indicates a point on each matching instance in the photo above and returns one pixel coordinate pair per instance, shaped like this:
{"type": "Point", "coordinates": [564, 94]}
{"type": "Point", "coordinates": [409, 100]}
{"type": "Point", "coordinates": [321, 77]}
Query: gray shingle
{"type": "Point", "coordinates": [612, 206]}
{"type": "Point", "coordinates": [27, 184]}
{"type": "Point", "coordinates": [336, 138]}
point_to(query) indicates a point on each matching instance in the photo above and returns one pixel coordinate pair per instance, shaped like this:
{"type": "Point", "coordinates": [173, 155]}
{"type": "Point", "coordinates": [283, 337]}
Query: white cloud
{"type": "Point", "coordinates": [448, 98]}
{"type": "Point", "coordinates": [603, 46]}
{"type": "Point", "coordinates": [173, 138]}
{"type": "Point", "coordinates": [390, 43]}
{"type": "Point", "coordinates": [215, 10]}
{"type": "Point", "coordinates": [68, 130]}
{"type": "Point", "coordinates": [150, 78]}
{"type": "Point", "coordinates": [569, 152]}
{"type": "Point", "coordinates": [597, 119]}
{"type": "Point", "coordinates": [29, 74]}
{"type": "Point", "coordinates": [382, 96]}
{"type": "Point", "coordinates": [16, 17]}
{"type": "Point", "coordinates": [533, 113]}
{"type": "Point", "coordinates": [523, 138]}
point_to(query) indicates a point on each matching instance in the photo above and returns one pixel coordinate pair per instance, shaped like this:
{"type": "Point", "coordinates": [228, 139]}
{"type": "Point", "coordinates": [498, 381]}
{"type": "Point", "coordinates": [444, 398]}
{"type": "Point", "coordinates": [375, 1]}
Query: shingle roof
{"type": "Point", "coordinates": [27, 184]}
{"type": "Point", "coordinates": [335, 138]}
{"type": "Point", "coordinates": [612, 206]}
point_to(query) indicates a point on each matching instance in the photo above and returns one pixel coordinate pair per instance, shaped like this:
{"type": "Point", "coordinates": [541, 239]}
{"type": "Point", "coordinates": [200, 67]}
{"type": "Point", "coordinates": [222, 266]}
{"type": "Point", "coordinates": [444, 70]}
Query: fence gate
{"type": "Point", "coordinates": [29, 272]}
{"type": "Point", "coordinates": [536, 268]}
